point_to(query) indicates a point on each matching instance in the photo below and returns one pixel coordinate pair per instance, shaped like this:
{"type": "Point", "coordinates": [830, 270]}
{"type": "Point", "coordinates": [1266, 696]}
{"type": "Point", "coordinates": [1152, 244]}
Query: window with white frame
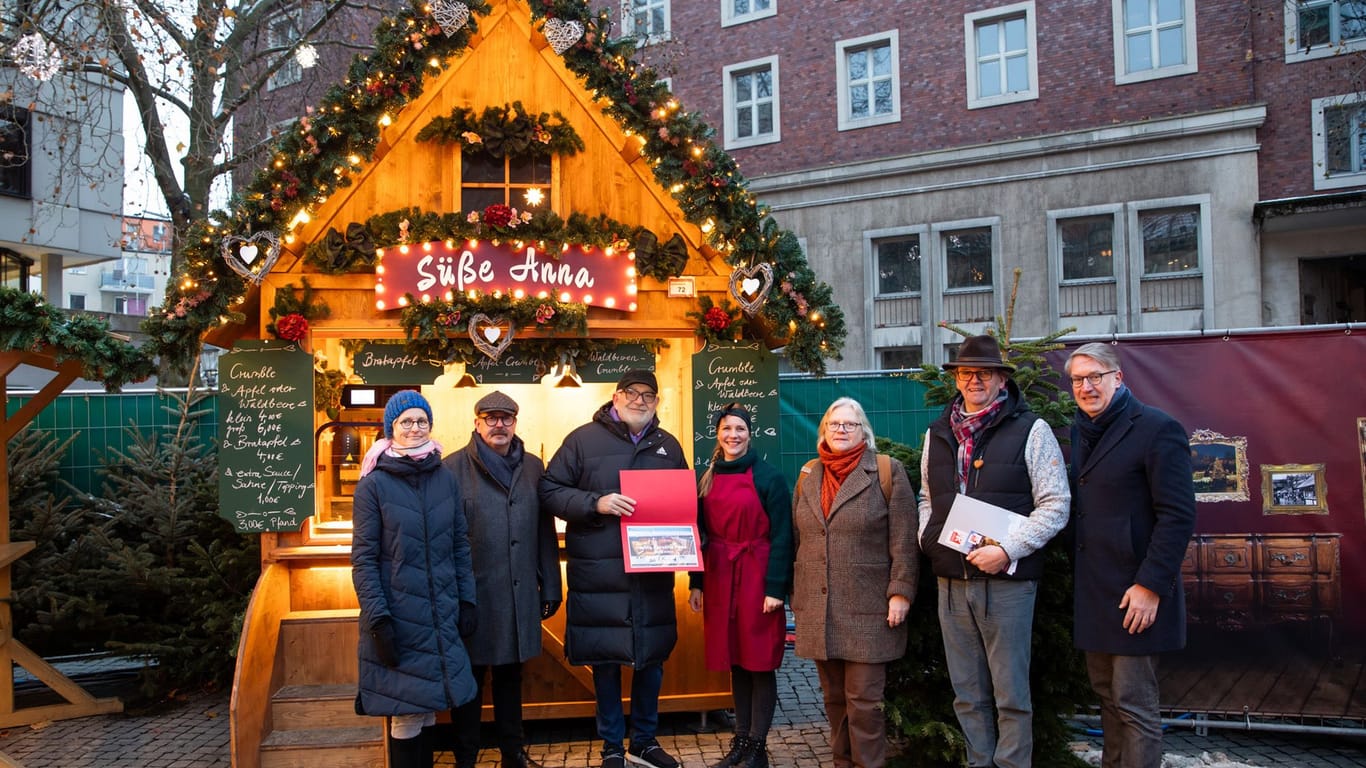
{"type": "Point", "coordinates": [1339, 128]}
{"type": "Point", "coordinates": [1318, 28]}
{"type": "Point", "coordinates": [869, 86]}
{"type": "Point", "coordinates": [741, 11]}
{"type": "Point", "coordinates": [648, 20]}
{"type": "Point", "coordinates": [1168, 245]}
{"type": "Point", "coordinates": [751, 97]}
{"type": "Point", "coordinates": [75, 301]}
{"type": "Point", "coordinates": [282, 32]}
{"type": "Point", "coordinates": [1153, 39]}
{"type": "Point", "coordinates": [1002, 55]}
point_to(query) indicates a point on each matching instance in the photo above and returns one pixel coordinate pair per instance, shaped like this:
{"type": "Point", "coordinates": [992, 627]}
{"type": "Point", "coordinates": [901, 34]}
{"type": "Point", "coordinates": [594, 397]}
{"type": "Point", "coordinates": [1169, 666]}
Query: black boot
{"type": "Point", "coordinates": [518, 758]}
{"type": "Point", "coordinates": [757, 756]}
{"type": "Point", "coordinates": [740, 747]}
{"type": "Point", "coordinates": [410, 753]}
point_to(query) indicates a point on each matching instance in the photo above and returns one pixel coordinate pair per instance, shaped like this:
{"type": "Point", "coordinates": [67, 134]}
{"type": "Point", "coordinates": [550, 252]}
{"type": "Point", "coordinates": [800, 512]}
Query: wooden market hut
{"type": "Point", "coordinates": [401, 158]}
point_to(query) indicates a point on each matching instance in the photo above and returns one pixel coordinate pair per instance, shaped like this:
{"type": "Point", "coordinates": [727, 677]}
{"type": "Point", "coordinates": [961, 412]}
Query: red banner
{"type": "Point", "coordinates": [442, 270]}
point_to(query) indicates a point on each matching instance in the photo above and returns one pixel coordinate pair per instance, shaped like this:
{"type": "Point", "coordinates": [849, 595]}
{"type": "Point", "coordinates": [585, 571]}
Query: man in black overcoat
{"type": "Point", "coordinates": [1133, 513]}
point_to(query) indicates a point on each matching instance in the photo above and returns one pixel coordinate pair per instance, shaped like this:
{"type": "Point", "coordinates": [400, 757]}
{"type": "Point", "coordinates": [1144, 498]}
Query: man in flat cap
{"type": "Point", "coordinates": [988, 445]}
{"type": "Point", "coordinates": [614, 617]}
{"type": "Point", "coordinates": [516, 573]}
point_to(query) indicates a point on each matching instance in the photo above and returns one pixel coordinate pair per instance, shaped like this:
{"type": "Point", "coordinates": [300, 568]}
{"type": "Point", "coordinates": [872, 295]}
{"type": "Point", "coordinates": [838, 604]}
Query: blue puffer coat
{"type": "Point", "coordinates": [410, 562]}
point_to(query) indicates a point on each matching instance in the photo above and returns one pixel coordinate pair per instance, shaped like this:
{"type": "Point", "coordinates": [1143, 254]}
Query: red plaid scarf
{"type": "Point", "coordinates": [966, 427]}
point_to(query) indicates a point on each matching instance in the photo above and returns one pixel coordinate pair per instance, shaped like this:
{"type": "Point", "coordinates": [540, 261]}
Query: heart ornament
{"type": "Point", "coordinates": [491, 335]}
{"type": "Point", "coordinates": [243, 254]}
{"type": "Point", "coordinates": [750, 286]}
{"type": "Point", "coordinates": [450, 16]}
{"type": "Point", "coordinates": [562, 34]}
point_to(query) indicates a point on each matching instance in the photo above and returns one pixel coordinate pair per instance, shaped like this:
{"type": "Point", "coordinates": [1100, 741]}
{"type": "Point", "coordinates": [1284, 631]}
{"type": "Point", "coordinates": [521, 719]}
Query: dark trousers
{"type": "Point", "coordinates": [1127, 687]}
{"type": "Point", "coordinates": [507, 713]}
{"type": "Point", "coordinates": [853, 704]}
{"type": "Point", "coordinates": [756, 697]}
{"type": "Point", "coordinates": [646, 683]}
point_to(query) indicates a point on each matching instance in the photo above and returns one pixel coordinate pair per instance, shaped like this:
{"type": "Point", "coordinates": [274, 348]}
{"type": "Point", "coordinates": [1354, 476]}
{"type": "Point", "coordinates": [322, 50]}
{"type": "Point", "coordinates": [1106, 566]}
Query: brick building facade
{"type": "Point", "coordinates": [1148, 165]}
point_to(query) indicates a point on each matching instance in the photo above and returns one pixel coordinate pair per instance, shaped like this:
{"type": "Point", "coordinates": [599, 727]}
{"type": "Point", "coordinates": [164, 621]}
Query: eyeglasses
{"type": "Point", "coordinates": [1094, 379]}
{"type": "Point", "coordinates": [633, 395]}
{"type": "Point", "coordinates": [843, 426]}
{"type": "Point", "coordinates": [497, 420]}
{"type": "Point", "coordinates": [411, 423]}
{"type": "Point", "coordinates": [982, 376]}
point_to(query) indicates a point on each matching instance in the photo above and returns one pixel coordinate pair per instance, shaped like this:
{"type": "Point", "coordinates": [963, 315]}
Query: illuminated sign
{"type": "Point", "coordinates": [442, 270]}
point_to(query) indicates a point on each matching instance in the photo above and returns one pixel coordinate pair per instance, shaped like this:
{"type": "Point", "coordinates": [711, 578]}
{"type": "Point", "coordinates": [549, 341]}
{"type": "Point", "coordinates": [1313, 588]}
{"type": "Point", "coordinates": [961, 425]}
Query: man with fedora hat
{"type": "Point", "coordinates": [988, 445]}
{"type": "Point", "coordinates": [516, 573]}
{"type": "Point", "coordinates": [614, 618]}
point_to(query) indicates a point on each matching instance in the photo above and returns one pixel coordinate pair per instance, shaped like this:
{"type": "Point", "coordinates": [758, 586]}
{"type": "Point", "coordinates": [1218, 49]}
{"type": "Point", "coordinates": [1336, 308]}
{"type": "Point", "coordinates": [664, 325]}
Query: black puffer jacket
{"type": "Point", "coordinates": [612, 617]}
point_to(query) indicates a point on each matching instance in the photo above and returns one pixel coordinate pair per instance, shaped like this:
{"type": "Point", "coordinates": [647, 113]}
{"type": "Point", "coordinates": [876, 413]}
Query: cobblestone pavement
{"type": "Point", "coordinates": [195, 735]}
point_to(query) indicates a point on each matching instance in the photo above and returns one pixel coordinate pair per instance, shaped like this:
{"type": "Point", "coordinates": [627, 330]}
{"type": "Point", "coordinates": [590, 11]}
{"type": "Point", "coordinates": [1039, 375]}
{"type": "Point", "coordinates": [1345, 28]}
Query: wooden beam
{"type": "Point", "coordinates": [67, 372]}
{"type": "Point", "coordinates": [80, 703]}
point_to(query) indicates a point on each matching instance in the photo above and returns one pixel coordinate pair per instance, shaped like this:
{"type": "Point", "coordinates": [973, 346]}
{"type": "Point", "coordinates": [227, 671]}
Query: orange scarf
{"type": "Point", "coordinates": [837, 467]}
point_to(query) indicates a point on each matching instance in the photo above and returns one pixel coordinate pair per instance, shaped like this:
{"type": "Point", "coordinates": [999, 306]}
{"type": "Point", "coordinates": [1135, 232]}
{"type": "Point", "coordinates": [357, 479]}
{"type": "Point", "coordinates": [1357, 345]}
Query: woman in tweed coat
{"type": "Point", "coordinates": [856, 570]}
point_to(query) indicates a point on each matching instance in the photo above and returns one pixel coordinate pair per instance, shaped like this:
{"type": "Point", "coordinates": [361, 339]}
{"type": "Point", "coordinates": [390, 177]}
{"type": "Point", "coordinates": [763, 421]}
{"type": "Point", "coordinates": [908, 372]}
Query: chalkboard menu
{"type": "Point", "coordinates": [608, 365]}
{"type": "Point", "coordinates": [507, 369]}
{"type": "Point", "coordinates": [735, 373]}
{"type": "Point", "coordinates": [390, 363]}
{"type": "Point", "coordinates": [265, 424]}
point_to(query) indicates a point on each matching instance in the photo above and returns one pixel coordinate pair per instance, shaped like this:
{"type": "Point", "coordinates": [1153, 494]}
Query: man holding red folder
{"type": "Point", "coordinates": [612, 617]}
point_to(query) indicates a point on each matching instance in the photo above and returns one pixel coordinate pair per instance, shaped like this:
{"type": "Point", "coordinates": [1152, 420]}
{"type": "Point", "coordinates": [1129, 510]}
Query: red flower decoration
{"type": "Point", "coordinates": [544, 313]}
{"type": "Point", "coordinates": [498, 215]}
{"type": "Point", "coordinates": [717, 319]}
{"type": "Point", "coordinates": [291, 327]}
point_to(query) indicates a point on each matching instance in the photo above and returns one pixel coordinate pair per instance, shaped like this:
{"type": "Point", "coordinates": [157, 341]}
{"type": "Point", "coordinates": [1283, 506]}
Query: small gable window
{"type": "Point", "coordinates": [517, 181]}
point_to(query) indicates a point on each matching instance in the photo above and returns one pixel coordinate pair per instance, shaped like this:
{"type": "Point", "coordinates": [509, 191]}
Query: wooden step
{"type": "Point", "coordinates": [303, 707]}
{"type": "Point", "coordinates": [318, 648]}
{"type": "Point", "coordinates": [325, 748]}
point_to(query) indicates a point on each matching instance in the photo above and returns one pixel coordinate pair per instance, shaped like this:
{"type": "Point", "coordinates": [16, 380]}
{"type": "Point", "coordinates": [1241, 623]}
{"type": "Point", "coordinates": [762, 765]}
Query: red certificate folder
{"type": "Point", "coordinates": [661, 535]}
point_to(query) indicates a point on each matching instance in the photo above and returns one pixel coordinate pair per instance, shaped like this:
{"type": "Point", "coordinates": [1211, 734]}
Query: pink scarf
{"type": "Point", "coordinates": [385, 444]}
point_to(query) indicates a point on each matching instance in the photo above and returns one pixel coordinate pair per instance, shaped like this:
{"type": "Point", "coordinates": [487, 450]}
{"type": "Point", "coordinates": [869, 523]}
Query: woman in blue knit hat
{"type": "Point", "coordinates": [411, 566]}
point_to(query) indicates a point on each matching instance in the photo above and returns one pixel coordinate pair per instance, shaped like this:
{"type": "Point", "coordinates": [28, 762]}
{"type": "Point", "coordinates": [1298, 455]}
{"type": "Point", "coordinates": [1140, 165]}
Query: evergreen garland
{"type": "Point", "coordinates": [30, 324]}
{"type": "Point", "coordinates": [504, 131]}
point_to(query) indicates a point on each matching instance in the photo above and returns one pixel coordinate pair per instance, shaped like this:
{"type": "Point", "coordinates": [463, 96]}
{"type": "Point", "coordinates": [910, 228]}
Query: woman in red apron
{"type": "Point", "coordinates": [745, 515]}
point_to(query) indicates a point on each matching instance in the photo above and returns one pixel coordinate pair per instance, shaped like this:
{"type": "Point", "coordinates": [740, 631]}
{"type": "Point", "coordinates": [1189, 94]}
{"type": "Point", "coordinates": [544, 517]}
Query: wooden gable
{"type": "Point", "coordinates": [508, 61]}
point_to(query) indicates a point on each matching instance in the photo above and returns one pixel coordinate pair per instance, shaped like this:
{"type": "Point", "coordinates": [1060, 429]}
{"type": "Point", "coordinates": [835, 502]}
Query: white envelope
{"type": "Point", "coordinates": [970, 521]}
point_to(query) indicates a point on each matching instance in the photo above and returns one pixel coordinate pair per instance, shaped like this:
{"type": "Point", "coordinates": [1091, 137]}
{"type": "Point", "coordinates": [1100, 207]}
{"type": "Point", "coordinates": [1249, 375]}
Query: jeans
{"type": "Point", "coordinates": [1127, 687]}
{"type": "Point", "coordinates": [646, 683]}
{"type": "Point", "coordinates": [507, 712]}
{"type": "Point", "coordinates": [988, 627]}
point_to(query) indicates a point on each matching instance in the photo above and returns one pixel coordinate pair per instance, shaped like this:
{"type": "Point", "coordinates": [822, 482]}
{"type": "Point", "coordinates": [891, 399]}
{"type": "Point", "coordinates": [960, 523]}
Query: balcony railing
{"type": "Point", "coordinates": [968, 306]}
{"type": "Point", "coordinates": [1160, 294]}
{"type": "Point", "coordinates": [120, 280]}
{"type": "Point", "coordinates": [1086, 299]}
{"type": "Point", "coordinates": [896, 311]}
